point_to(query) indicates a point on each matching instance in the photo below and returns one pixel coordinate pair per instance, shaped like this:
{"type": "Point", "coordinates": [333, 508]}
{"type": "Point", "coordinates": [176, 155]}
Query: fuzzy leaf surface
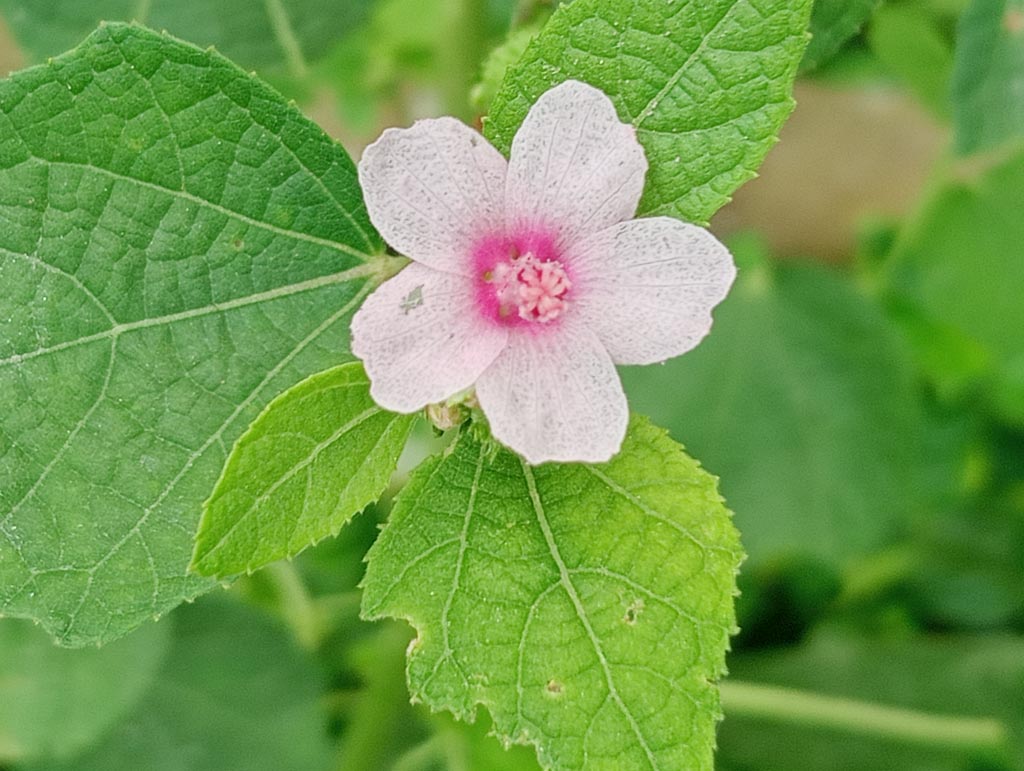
{"type": "Point", "coordinates": [179, 246]}
{"type": "Point", "coordinates": [706, 83]}
{"type": "Point", "coordinates": [588, 608]}
{"type": "Point", "coordinates": [317, 455]}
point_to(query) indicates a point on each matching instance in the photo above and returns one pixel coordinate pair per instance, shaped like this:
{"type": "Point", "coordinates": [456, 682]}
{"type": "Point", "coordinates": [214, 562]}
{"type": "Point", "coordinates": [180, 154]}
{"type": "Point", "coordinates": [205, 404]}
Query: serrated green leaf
{"type": "Point", "coordinates": [492, 74]}
{"type": "Point", "coordinates": [707, 85]}
{"type": "Point", "coordinates": [988, 75]}
{"type": "Point", "coordinates": [54, 702]}
{"type": "Point", "coordinates": [261, 34]}
{"type": "Point", "coordinates": [316, 456]}
{"type": "Point", "coordinates": [833, 22]}
{"type": "Point", "coordinates": [179, 245]}
{"type": "Point", "coordinates": [235, 693]}
{"type": "Point", "coordinates": [803, 400]}
{"type": "Point", "coordinates": [951, 675]}
{"type": "Point", "coordinates": [588, 608]}
{"type": "Point", "coordinates": [959, 265]}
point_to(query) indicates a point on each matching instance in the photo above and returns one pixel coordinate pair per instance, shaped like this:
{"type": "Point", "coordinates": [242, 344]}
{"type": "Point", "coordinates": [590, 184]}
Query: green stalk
{"type": "Point", "coordinates": [462, 53]}
{"type": "Point", "coordinates": [285, 35]}
{"type": "Point", "coordinates": [905, 726]}
{"type": "Point", "coordinates": [294, 603]}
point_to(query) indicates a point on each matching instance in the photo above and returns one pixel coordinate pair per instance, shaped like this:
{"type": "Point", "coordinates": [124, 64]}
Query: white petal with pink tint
{"type": "Point", "coordinates": [647, 287]}
{"type": "Point", "coordinates": [421, 340]}
{"type": "Point", "coordinates": [555, 396]}
{"type": "Point", "coordinates": [433, 189]}
{"type": "Point", "coordinates": [575, 167]}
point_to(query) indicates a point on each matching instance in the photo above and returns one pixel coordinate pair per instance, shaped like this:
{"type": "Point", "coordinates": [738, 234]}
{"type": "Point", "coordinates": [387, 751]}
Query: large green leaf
{"type": "Point", "coordinates": [988, 75]}
{"type": "Point", "coordinates": [256, 34]}
{"type": "Point", "coordinates": [317, 455]}
{"type": "Point", "coordinates": [959, 267]}
{"type": "Point", "coordinates": [178, 246]}
{"type": "Point", "coordinates": [957, 675]}
{"type": "Point", "coordinates": [235, 693]}
{"type": "Point", "coordinates": [803, 400]}
{"type": "Point", "coordinates": [833, 22]}
{"type": "Point", "coordinates": [588, 608]}
{"type": "Point", "coordinates": [707, 85]}
{"type": "Point", "coordinates": [55, 702]}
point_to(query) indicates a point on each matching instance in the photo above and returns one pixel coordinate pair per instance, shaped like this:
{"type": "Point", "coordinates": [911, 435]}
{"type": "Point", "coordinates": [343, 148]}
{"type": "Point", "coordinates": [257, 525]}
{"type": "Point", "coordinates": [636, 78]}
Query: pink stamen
{"type": "Point", "coordinates": [522, 280]}
{"type": "Point", "coordinates": [530, 288]}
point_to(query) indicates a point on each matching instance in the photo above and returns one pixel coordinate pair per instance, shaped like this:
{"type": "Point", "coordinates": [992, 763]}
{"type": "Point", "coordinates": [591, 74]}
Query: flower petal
{"type": "Point", "coordinates": [555, 396]}
{"type": "Point", "coordinates": [421, 340]}
{"type": "Point", "coordinates": [647, 287]}
{"type": "Point", "coordinates": [432, 190]}
{"type": "Point", "coordinates": [575, 167]}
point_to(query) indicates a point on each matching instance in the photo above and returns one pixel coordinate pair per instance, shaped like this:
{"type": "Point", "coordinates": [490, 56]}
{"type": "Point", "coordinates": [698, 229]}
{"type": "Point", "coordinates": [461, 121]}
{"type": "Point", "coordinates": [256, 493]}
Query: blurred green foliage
{"type": "Point", "coordinates": [866, 419]}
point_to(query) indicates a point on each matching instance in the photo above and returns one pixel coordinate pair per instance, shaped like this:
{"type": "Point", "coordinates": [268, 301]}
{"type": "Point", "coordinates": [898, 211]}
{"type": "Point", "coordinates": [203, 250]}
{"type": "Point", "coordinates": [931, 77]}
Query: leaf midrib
{"type": "Point", "coordinates": [112, 333]}
{"type": "Point", "coordinates": [565, 579]}
{"type": "Point", "coordinates": [683, 68]}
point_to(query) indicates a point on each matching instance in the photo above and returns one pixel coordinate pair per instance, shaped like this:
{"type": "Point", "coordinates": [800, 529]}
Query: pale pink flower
{"type": "Point", "coordinates": [530, 280]}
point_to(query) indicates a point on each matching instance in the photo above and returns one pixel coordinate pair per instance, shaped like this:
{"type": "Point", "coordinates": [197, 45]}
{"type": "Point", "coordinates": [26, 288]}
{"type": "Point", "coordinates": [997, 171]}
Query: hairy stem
{"type": "Point", "coordinates": [906, 726]}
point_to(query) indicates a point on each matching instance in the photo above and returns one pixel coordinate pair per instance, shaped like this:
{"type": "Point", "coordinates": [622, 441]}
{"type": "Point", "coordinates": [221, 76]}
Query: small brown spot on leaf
{"type": "Point", "coordinates": [554, 688]}
{"type": "Point", "coordinates": [633, 611]}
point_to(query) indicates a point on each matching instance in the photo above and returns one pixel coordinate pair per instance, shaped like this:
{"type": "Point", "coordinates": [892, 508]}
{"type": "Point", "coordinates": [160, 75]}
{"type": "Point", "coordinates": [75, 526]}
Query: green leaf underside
{"type": "Point", "coordinates": [178, 246]}
{"type": "Point", "coordinates": [833, 22]}
{"type": "Point", "coordinates": [55, 702]}
{"type": "Point", "coordinates": [588, 608]}
{"type": "Point", "coordinates": [260, 33]}
{"type": "Point", "coordinates": [960, 267]}
{"type": "Point", "coordinates": [988, 75]}
{"type": "Point", "coordinates": [234, 693]}
{"type": "Point", "coordinates": [317, 455]}
{"type": "Point", "coordinates": [801, 383]}
{"type": "Point", "coordinates": [707, 85]}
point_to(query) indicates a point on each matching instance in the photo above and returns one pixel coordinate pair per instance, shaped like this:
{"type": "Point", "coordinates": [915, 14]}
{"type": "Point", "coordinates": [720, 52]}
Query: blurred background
{"type": "Point", "coordinates": [861, 398]}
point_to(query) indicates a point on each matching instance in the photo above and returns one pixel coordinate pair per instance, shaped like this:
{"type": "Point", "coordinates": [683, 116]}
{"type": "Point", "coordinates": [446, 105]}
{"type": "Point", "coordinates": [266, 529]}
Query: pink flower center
{"type": "Point", "coordinates": [533, 289]}
{"type": "Point", "coordinates": [521, 280]}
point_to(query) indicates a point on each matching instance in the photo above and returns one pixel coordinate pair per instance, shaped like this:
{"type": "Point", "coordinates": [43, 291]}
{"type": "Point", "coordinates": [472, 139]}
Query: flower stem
{"type": "Point", "coordinates": [906, 726]}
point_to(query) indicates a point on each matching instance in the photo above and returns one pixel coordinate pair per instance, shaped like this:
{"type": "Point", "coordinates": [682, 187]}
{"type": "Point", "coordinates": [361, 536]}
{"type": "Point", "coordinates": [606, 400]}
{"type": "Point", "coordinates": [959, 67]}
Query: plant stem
{"type": "Point", "coordinates": [787, 705]}
{"type": "Point", "coordinates": [286, 39]}
{"type": "Point", "coordinates": [295, 604]}
{"type": "Point", "coordinates": [423, 755]}
{"type": "Point", "coordinates": [464, 49]}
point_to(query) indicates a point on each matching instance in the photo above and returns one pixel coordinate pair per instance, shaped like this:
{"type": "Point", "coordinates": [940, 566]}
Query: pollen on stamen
{"type": "Point", "coordinates": [529, 288]}
{"type": "Point", "coordinates": [543, 287]}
